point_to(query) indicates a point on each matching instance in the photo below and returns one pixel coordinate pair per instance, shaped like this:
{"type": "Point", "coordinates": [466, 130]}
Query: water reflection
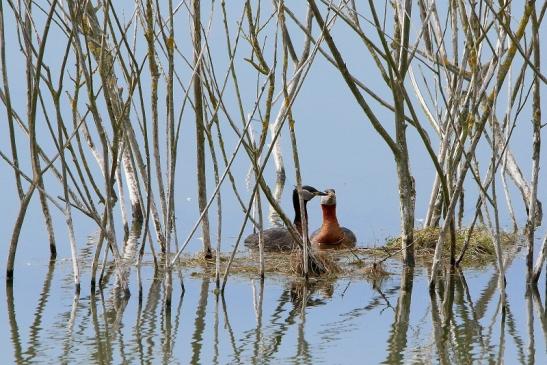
{"type": "Point", "coordinates": [236, 353]}
{"type": "Point", "coordinates": [310, 293]}
{"type": "Point", "coordinates": [541, 312]}
{"type": "Point", "coordinates": [36, 327]}
{"type": "Point", "coordinates": [14, 329]}
{"type": "Point", "coordinates": [199, 322]}
{"type": "Point", "coordinates": [459, 336]}
{"type": "Point", "coordinates": [258, 301]}
{"type": "Point", "coordinates": [463, 321]}
{"type": "Point", "coordinates": [397, 341]}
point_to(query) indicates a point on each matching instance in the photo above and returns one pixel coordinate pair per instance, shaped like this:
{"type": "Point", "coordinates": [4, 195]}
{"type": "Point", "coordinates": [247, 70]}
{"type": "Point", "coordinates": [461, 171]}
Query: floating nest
{"type": "Point", "coordinates": [480, 249]}
{"type": "Point", "coordinates": [288, 264]}
{"type": "Point", "coordinates": [359, 262]}
{"type": "Point", "coordinates": [336, 263]}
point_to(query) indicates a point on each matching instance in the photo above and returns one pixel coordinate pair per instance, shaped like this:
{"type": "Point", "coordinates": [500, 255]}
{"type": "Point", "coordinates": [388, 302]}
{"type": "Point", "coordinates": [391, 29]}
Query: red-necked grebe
{"type": "Point", "coordinates": [279, 238]}
{"type": "Point", "coordinates": [331, 234]}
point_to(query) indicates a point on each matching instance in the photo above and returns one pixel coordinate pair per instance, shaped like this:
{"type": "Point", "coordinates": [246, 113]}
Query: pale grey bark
{"type": "Point", "coordinates": [7, 97]}
{"type": "Point", "coordinates": [532, 222]}
{"type": "Point", "coordinates": [533, 219]}
{"type": "Point", "coordinates": [33, 88]}
{"type": "Point", "coordinates": [200, 134]}
{"type": "Point", "coordinates": [407, 192]}
{"type": "Point", "coordinates": [132, 184]}
{"type": "Point", "coordinates": [540, 261]}
{"type": "Point", "coordinates": [154, 73]}
{"type": "Point", "coordinates": [121, 199]}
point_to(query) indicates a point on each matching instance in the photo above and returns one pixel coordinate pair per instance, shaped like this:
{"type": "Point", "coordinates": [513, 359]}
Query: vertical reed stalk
{"type": "Point", "coordinates": [9, 112]}
{"type": "Point", "coordinates": [33, 89]}
{"type": "Point", "coordinates": [200, 134]}
{"type": "Point", "coordinates": [532, 222]}
{"type": "Point", "coordinates": [154, 74]}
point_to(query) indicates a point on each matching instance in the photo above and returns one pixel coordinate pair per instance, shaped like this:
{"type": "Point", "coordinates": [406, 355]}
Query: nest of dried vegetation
{"type": "Point", "coordinates": [368, 263]}
{"type": "Point", "coordinates": [335, 263]}
{"type": "Point", "coordinates": [480, 250]}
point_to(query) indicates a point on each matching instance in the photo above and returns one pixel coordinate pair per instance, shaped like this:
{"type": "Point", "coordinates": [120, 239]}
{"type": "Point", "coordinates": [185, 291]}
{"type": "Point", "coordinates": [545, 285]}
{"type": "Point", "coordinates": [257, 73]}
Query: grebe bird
{"type": "Point", "coordinates": [331, 235]}
{"type": "Point", "coordinates": [279, 238]}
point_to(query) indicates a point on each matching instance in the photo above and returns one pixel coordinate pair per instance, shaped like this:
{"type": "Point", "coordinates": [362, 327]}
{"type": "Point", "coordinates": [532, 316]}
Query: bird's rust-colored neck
{"type": "Point", "coordinates": [329, 214]}
{"type": "Point", "coordinates": [330, 232]}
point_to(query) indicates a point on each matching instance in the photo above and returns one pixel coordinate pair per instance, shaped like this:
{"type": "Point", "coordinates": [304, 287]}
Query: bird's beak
{"type": "Point", "coordinates": [321, 193]}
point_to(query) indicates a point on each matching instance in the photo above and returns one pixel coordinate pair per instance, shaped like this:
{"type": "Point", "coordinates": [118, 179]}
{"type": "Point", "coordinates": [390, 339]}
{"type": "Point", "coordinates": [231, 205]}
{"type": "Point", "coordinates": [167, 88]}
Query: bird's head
{"type": "Point", "coordinates": [309, 192]}
{"type": "Point", "coordinates": [329, 197]}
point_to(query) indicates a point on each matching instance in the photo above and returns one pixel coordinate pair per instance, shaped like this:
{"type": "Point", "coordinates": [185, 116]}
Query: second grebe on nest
{"type": "Point", "coordinates": [279, 238]}
{"type": "Point", "coordinates": [331, 234]}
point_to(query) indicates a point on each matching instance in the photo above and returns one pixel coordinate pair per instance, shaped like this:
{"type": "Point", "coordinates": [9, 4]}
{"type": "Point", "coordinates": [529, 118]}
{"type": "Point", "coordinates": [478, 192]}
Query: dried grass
{"type": "Point", "coordinates": [324, 259]}
{"type": "Point", "coordinates": [480, 250]}
{"type": "Point", "coordinates": [356, 262]}
{"type": "Point", "coordinates": [335, 264]}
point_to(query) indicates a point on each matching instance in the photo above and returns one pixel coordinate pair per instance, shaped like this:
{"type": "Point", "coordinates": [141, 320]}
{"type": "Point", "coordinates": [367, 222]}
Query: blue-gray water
{"type": "Point", "coordinates": [349, 320]}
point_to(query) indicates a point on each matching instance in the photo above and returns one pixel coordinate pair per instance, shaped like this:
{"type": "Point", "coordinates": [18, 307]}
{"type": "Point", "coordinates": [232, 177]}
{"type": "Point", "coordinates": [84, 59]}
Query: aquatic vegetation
{"type": "Point", "coordinates": [480, 251]}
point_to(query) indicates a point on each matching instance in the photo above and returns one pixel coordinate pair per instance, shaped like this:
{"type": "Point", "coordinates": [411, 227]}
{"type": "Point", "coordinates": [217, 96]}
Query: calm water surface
{"type": "Point", "coordinates": [349, 320]}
